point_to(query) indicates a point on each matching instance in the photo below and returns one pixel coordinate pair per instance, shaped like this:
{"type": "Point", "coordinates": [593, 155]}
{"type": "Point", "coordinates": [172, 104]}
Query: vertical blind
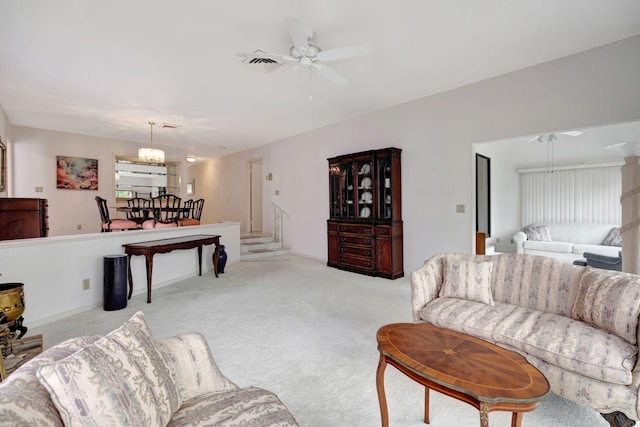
{"type": "Point", "coordinates": [571, 194]}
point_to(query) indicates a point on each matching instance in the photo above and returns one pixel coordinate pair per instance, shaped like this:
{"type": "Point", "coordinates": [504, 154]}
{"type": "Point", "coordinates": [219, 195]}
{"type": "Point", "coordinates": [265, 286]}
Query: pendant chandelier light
{"type": "Point", "coordinates": [150, 154]}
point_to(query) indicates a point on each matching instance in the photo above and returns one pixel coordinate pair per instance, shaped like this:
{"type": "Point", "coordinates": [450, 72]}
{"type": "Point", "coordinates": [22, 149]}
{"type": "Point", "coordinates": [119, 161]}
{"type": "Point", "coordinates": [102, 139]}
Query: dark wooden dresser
{"type": "Point", "coordinates": [23, 218]}
{"type": "Point", "coordinates": [364, 231]}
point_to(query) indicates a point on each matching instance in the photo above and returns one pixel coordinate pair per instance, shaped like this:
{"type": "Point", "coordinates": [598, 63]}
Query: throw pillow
{"type": "Point", "coordinates": [609, 300]}
{"type": "Point", "coordinates": [538, 232]}
{"type": "Point", "coordinates": [190, 358]}
{"type": "Point", "coordinates": [120, 380]}
{"type": "Point", "coordinates": [614, 238]}
{"type": "Point", "coordinates": [468, 280]}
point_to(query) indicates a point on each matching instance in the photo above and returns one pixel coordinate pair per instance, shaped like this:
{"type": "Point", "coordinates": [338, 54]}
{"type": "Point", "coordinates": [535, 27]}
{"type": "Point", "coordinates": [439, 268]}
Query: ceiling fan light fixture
{"type": "Point", "coordinates": [150, 154]}
{"type": "Point", "coordinates": [191, 159]}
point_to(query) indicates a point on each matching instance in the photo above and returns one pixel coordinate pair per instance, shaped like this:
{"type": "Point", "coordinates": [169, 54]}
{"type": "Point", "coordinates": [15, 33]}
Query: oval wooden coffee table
{"type": "Point", "coordinates": [461, 366]}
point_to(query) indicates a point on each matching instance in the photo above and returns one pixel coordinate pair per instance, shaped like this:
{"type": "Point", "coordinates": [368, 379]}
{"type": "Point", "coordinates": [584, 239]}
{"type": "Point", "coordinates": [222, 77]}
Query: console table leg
{"type": "Point", "coordinates": [216, 257]}
{"type": "Point", "coordinates": [200, 260]}
{"type": "Point", "coordinates": [384, 414]}
{"type": "Point", "coordinates": [130, 276]}
{"type": "Point", "coordinates": [149, 259]}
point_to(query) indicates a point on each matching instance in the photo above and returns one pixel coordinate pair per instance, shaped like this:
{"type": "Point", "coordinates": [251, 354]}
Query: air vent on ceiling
{"type": "Point", "coordinates": [265, 65]}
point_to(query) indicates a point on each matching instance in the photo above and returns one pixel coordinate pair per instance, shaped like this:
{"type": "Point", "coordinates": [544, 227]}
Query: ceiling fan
{"type": "Point", "coordinates": [306, 54]}
{"type": "Point", "coordinates": [550, 137]}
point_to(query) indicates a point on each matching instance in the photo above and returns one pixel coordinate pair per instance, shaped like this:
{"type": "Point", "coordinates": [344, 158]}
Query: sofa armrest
{"type": "Point", "coordinates": [426, 282]}
{"type": "Point", "coordinates": [190, 359]}
{"type": "Point", "coordinates": [520, 237]}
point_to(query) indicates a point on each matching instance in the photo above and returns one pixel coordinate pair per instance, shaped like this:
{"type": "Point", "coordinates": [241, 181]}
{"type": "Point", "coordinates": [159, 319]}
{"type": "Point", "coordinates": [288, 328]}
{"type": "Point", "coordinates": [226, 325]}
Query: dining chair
{"type": "Point", "coordinates": [166, 212]}
{"type": "Point", "coordinates": [139, 212]}
{"type": "Point", "coordinates": [107, 224]}
{"type": "Point", "coordinates": [196, 213]}
{"type": "Point", "coordinates": [185, 213]}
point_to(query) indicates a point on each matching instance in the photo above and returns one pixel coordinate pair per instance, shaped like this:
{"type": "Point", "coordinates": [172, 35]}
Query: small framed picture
{"type": "Point", "coordinates": [191, 188]}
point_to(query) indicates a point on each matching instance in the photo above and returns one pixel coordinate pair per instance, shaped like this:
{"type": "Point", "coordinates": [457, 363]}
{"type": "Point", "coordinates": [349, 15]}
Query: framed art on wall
{"type": "Point", "coordinates": [77, 173]}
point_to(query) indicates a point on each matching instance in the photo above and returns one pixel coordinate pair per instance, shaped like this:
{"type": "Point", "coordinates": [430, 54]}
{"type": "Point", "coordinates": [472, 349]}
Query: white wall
{"type": "Point", "coordinates": [53, 268]}
{"type": "Point", "coordinates": [437, 135]}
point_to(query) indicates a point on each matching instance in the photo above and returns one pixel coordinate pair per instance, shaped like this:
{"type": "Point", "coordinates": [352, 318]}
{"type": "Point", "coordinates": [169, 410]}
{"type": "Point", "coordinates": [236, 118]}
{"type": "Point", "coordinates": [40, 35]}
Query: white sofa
{"type": "Point", "coordinates": [128, 379]}
{"type": "Point", "coordinates": [559, 316]}
{"type": "Point", "coordinates": [568, 241]}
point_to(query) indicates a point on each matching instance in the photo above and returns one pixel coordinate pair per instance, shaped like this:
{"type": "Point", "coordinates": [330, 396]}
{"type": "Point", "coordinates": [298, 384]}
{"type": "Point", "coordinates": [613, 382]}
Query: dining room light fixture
{"type": "Point", "coordinates": [191, 159]}
{"type": "Point", "coordinates": [150, 154]}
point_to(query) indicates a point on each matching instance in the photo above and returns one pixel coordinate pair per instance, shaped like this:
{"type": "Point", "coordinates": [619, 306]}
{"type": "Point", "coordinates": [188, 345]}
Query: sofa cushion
{"type": "Point", "coordinates": [34, 407]}
{"type": "Point", "coordinates": [120, 380]}
{"type": "Point", "coordinates": [538, 233]}
{"type": "Point", "coordinates": [564, 247]}
{"type": "Point", "coordinates": [250, 406]}
{"type": "Point", "coordinates": [610, 300]}
{"type": "Point", "coordinates": [614, 238]}
{"type": "Point", "coordinates": [562, 341]}
{"type": "Point", "coordinates": [468, 280]}
{"type": "Point", "coordinates": [581, 248]}
{"type": "Point", "coordinates": [196, 371]}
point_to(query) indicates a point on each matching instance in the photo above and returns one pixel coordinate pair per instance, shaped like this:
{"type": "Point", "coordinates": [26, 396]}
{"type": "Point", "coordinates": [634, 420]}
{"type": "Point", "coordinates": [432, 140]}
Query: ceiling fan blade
{"type": "Point", "coordinates": [298, 34]}
{"type": "Point", "coordinates": [572, 133]}
{"type": "Point", "coordinates": [263, 55]}
{"type": "Point", "coordinates": [329, 74]}
{"type": "Point", "coordinates": [537, 138]}
{"type": "Point", "coordinates": [344, 53]}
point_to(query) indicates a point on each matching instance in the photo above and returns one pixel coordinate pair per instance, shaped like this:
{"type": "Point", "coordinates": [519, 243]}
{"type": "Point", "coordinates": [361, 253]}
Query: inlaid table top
{"type": "Point", "coordinates": [461, 366]}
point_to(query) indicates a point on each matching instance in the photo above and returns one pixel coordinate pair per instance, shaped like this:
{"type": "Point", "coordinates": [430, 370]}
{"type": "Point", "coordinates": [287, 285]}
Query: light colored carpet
{"type": "Point", "coordinates": [308, 333]}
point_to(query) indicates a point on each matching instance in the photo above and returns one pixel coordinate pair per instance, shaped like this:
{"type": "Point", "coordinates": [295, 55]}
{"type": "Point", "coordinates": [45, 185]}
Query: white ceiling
{"type": "Point", "coordinates": [106, 68]}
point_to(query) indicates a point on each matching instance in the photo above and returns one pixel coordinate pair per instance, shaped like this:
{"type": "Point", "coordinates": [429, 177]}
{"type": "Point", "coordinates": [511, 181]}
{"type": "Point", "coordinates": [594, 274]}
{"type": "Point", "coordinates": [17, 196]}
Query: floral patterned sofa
{"type": "Point", "coordinates": [577, 325]}
{"type": "Point", "coordinates": [128, 379]}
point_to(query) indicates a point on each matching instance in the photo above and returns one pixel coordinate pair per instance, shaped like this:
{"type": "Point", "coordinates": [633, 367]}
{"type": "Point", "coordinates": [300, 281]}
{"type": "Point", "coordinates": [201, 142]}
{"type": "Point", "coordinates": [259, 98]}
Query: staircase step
{"type": "Point", "coordinates": [263, 254]}
{"type": "Point", "coordinates": [255, 246]}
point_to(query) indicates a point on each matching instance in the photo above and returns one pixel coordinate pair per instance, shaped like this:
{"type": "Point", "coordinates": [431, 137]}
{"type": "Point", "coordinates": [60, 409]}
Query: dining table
{"type": "Point", "coordinates": [147, 212]}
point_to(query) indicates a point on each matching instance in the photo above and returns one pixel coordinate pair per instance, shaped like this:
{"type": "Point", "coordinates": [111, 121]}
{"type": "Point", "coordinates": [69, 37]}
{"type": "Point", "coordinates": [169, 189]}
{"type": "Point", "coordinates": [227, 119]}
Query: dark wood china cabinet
{"type": "Point", "coordinates": [364, 230]}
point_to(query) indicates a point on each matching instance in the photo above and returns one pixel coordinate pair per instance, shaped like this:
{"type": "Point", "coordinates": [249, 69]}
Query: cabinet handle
{"type": "Point", "coordinates": [367, 241]}
{"type": "Point", "coordinates": [342, 249]}
{"type": "Point", "coordinates": [367, 253]}
{"type": "Point", "coordinates": [343, 239]}
{"type": "Point", "coordinates": [367, 231]}
{"type": "Point", "coordinates": [367, 264]}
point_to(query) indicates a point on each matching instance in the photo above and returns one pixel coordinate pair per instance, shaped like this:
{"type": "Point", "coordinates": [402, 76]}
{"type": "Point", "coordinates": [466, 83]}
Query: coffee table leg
{"type": "Point", "coordinates": [516, 419]}
{"type": "Point", "coordinates": [484, 414]}
{"type": "Point", "coordinates": [382, 364]}
{"type": "Point", "coordinates": [426, 405]}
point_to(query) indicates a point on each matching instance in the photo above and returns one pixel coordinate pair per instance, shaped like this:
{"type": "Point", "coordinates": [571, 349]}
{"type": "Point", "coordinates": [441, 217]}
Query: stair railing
{"type": "Point", "coordinates": [278, 224]}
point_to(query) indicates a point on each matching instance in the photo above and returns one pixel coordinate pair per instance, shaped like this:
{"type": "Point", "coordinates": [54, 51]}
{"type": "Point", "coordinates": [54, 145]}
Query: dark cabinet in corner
{"type": "Point", "coordinates": [364, 231]}
{"type": "Point", "coordinates": [23, 218]}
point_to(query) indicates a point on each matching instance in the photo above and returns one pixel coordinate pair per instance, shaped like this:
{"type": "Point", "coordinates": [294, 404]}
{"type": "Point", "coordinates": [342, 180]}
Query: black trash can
{"type": "Point", "coordinates": [115, 282]}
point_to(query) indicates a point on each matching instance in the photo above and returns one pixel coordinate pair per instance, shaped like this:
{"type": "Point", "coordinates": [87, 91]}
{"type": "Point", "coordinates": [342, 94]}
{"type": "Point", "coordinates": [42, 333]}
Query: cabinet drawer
{"type": "Point", "coordinates": [332, 226]}
{"type": "Point", "coordinates": [356, 262]}
{"type": "Point", "coordinates": [356, 250]}
{"type": "Point", "coordinates": [356, 240]}
{"type": "Point", "coordinates": [383, 230]}
{"type": "Point", "coordinates": [356, 229]}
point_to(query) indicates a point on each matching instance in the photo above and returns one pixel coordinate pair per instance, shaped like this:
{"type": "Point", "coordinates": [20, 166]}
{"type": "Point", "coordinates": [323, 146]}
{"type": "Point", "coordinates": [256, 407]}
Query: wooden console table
{"type": "Point", "coordinates": [150, 248]}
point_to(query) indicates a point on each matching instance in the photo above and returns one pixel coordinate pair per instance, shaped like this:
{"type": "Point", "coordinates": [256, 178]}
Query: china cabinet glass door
{"type": "Point", "coordinates": [365, 189]}
{"type": "Point", "coordinates": [348, 192]}
{"type": "Point", "coordinates": [384, 186]}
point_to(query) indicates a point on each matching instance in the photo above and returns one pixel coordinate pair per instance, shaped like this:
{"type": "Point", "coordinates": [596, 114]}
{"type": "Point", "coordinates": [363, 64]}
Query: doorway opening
{"type": "Point", "coordinates": [255, 196]}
